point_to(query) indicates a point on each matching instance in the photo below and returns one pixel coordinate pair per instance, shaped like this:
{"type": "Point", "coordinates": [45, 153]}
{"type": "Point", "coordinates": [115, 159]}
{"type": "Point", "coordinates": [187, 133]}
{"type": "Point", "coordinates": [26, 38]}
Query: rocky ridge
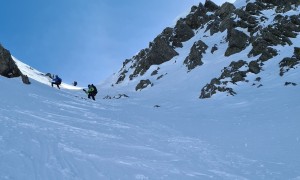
{"type": "Point", "coordinates": [246, 27]}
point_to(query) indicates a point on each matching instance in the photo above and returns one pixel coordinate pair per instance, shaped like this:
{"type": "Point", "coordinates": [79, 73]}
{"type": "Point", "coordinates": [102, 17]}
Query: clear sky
{"type": "Point", "coordinates": [85, 40]}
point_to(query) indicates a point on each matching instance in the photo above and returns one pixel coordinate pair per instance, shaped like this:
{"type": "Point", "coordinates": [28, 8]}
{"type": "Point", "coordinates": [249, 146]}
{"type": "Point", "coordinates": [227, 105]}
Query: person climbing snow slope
{"type": "Point", "coordinates": [91, 92]}
{"type": "Point", "coordinates": [57, 81]}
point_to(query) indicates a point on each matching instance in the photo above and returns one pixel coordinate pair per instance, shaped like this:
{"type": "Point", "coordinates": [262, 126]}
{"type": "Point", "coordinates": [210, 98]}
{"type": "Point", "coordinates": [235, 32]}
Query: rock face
{"type": "Point", "coordinates": [238, 41]}
{"type": "Point", "coordinates": [8, 68]}
{"type": "Point", "coordinates": [194, 58]}
{"type": "Point", "coordinates": [183, 32]}
{"type": "Point", "coordinates": [162, 48]}
{"type": "Point", "coordinates": [159, 52]}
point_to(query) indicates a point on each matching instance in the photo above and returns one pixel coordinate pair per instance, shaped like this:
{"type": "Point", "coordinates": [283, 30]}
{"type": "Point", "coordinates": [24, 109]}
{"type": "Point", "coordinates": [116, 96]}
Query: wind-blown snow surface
{"type": "Point", "coordinates": [47, 133]}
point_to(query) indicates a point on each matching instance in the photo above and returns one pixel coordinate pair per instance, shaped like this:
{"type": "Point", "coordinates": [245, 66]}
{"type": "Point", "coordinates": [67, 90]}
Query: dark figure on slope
{"type": "Point", "coordinates": [91, 92]}
{"type": "Point", "coordinates": [57, 80]}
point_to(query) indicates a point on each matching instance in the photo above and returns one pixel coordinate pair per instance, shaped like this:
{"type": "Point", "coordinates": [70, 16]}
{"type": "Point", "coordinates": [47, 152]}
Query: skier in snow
{"type": "Point", "coordinates": [91, 92]}
{"type": "Point", "coordinates": [57, 81]}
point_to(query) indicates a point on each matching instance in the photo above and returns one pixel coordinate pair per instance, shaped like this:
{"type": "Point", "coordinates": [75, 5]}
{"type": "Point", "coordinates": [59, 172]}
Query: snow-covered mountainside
{"type": "Point", "coordinates": [47, 133]}
{"type": "Point", "coordinates": [148, 122]}
{"type": "Point", "coordinates": [219, 49]}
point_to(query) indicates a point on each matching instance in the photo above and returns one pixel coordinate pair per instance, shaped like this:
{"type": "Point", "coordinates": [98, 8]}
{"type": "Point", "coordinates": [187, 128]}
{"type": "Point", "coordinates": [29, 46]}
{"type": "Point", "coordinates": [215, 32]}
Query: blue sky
{"type": "Point", "coordinates": [84, 40]}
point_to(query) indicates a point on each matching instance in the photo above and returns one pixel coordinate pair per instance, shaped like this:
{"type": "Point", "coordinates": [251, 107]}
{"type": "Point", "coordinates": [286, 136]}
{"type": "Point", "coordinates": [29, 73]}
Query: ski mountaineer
{"type": "Point", "coordinates": [57, 80]}
{"type": "Point", "coordinates": [91, 92]}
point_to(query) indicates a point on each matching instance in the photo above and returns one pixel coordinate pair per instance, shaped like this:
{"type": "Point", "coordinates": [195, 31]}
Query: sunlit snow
{"type": "Point", "coordinates": [161, 132]}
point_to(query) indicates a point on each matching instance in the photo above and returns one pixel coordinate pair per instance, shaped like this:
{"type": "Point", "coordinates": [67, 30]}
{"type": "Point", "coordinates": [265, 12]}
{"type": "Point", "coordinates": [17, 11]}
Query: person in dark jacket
{"type": "Point", "coordinates": [91, 92]}
{"type": "Point", "coordinates": [75, 83]}
{"type": "Point", "coordinates": [57, 81]}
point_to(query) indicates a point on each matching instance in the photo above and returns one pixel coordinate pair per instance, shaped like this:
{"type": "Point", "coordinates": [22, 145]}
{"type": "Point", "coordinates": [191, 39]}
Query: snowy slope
{"type": "Point", "coordinates": [39, 76]}
{"type": "Point", "coordinates": [51, 134]}
{"type": "Point", "coordinates": [161, 132]}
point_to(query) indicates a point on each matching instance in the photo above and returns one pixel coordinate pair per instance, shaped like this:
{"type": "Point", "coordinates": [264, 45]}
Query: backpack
{"type": "Point", "coordinates": [95, 89]}
{"type": "Point", "coordinates": [59, 80]}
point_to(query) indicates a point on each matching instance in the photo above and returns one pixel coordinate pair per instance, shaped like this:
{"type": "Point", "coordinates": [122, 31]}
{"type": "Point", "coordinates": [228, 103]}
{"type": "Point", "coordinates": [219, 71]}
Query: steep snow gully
{"type": "Point", "coordinates": [163, 130]}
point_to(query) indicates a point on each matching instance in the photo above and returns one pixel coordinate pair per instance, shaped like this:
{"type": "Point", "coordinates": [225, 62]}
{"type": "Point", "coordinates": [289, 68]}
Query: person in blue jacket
{"type": "Point", "coordinates": [57, 80]}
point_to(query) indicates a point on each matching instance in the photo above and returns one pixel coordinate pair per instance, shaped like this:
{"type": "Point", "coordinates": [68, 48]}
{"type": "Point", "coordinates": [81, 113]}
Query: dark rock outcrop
{"type": "Point", "coordinates": [211, 6]}
{"type": "Point", "coordinates": [154, 72]}
{"type": "Point", "coordinates": [267, 54]}
{"type": "Point", "coordinates": [247, 28]}
{"type": "Point", "coordinates": [237, 41]}
{"type": "Point", "coordinates": [122, 76]}
{"type": "Point", "coordinates": [8, 67]}
{"type": "Point", "coordinates": [143, 84]}
{"type": "Point", "coordinates": [162, 48]}
{"type": "Point", "coordinates": [290, 83]}
{"type": "Point", "coordinates": [225, 10]}
{"type": "Point", "coordinates": [212, 88]}
{"type": "Point", "coordinates": [183, 32]}
{"type": "Point", "coordinates": [214, 48]}
{"type": "Point", "coordinates": [25, 79]}
{"type": "Point", "coordinates": [297, 52]}
{"type": "Point", "coordinates": [231, 74]}
{"type": "Point", "coordinates": [195, 56]}
{"type": "Point", "coordinates": [277, 34]}
{"type": "Point", "coordinates": [254, 67]}
{"type": "Point", "coordinates": [213, 27]}
{"type": "Point", "coordinates": [197, 17]}
{"type": "Point", "coordinates": [289, 63]}
{"type": "Point", "coordinates": [159, 52]}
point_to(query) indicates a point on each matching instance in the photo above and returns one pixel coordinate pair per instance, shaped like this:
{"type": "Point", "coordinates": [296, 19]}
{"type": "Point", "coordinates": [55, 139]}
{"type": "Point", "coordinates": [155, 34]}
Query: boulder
{"type": "Point", "coordinates": [225, 10]}
{"type": "Point", "coordinates": [25, 79]}
{"type": "Point", "coordinates": [211, 6]}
